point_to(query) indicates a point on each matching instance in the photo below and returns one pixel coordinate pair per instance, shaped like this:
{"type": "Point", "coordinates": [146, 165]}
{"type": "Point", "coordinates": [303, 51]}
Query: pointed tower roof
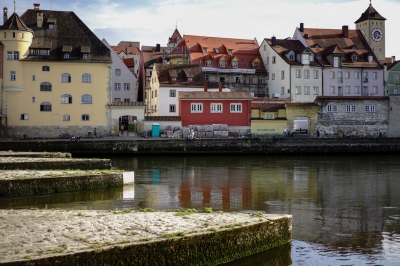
{"type": "Point", "coordinates": [370, 13]}
{"type": "Point", "coordinates": [15, 23]}
{"type": "Point", "coordinates": [175, 35]}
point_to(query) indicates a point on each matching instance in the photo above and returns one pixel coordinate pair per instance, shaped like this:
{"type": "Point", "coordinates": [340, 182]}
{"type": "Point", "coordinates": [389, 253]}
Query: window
{"type": "Point", "coordinates": [207, 77]}
{"type": "Point", "coordinates": [86, 99]}
{"type": "Point", "coordinates": [155, 94]}
{"type": "Point", "coordinates": [65, 78]}
{"type": "Point", "coordinates": [273, 60]}
{"type": "Point", "coordinates": [66, 118]}
{"type": "Point", "coordinates": [298, 90]}
{"type": "Point", "coordinates": [291, 57]}
{"type": "Point", "coordinates": [33, 99]}
{"type": "Point", "coordinates": [118, 72]}
{"type": "Point", "coordinates": [335, 61]}
{"type": "Point", "coordinates": [332, 108]}
{"type": "Point", "coordinates": [173, 79]}
{"type": "Point", "coordinates": [51, 26]}
{"type": "Point", "coordinates": [396, 77]}
{"type": "Point", "coordinates": [45, 68]}
{"type": "Point", "coordinates": [127, 100]}
{"type": "Point", "coordinates": [267, 60]}
{"type": "Point", "coordinates": [24, 117]}
{"type": "Point", "coordinates": [235, 63]}
{"type": "Point", "coordinates": [236, 107]}
{"type": "Point", "coordinates": [204, 50]}
{"type": "Point", "coordinates": [13, 75]}
{"type": "Point", "coordinates": [196, 107]}
{"type": "Point", "coordinates": [172, 93]}
{"type": "Point", "coordinates": [260, 81]}
{"type": "Point", "coordinates": [305, 59]}
{"type": "Point", "coordinates": [316, 90]}
{"type": "Point", "coordinates": [255, 64]}
{"type": "Point", "coordinates": [13, 34]}
{"type": "Point", "coordinates": [306, 90]}
{"type": "Point", "coordinates": [273, 76]}
{"type": "Point", "coordinates": [33, 78]}
{"type": "Point", "coordinates": [127, 86]}
{"type": "Point", "coordinates": [229, 52]}
{"type": "Point", "coordinates": [350, 108]}
{"type": "Point", "coordinates": [9, 55]}
{"type": "Point", "coordinates": [222, 63]}
{"type": "Point", "coordinates": [315, 74]}
{"type": "Point", "coordinates": [354, 58]}
{"type": "Point", "coordinates": [332, 74]}
{"type": "Point", "coordinates": [222, 79]}
{"type": "Point", "coordinates": [45, 107]}
{"type": "Point", "coordinates": [264, 46]}
{"type": "Point", "coordinates": [85, 56]}
{"type": "Point", "coordinates": [85, 117]}
{"type": "Point", "coordinates": [16, 55]}
{"type": "Point", "coordinates": [282, 90]}
{"type": "Point", "coordinates": [347, 90]}
{"type": "Point", "coordinates": [117, 100]}
{"type": "Point", "coordinates": [45, 86]}
{"type": "Point", "coordinates": [86, 78]}
{"type": "Point", "coordinates": [282, 74]}
{"type": "Point", "coordinates": [216, 108]}
{"type": "Point", "coordinates": [298, 73]}
{"type": "Point", "coordinates": [66, 55]}
{"type": "Point", "coordinates": [357, 75]}
{"type": "Point", "coordinates": [370, 108]}
{"type": "Point", "coordinates": [269, 117]}
{"type": "Point", "coordinates": [375, 75]}
{"type": "Point", "coordinates": [365, 77]}
{"type": "Point", "coordinates": [332, 89]}
{"type": "Point", "coordinates": [117, 86]}
{"type": "Point", "coordinates": [357, 89]}
{"type": "Point", "coordinates": [347, 75]}
{"type": "Point", "coordinates": [66, 99]}
{"type": "Point", "coordinates": [251, 81]}
{"type": "Point", "coordinates": [375, 90]}
{"type": "Point", "coordinates": [306, 73]}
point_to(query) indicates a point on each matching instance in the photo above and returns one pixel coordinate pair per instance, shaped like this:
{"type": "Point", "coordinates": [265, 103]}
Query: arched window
{"type": "Point", "coordinates": [66, 98]}
{"type": "Point", "coordinates": [45, 68]}
{"type": "Point", "coordinates": [65, 78]}
{"type": "Point", "coordinates": [24, 117]}
{"type": "Point", "coordinates": [66, 118]}
{"type": "Point", "coordinates": [45, 86]}
{"type": "Point", "coordinates": [86, 78]}
{"type": "Point", "coordinates": [85, 117]}
{"type": "Point", "coordinates": [45, 107]}
{"type": "Point", "coordinates": [86, 99]}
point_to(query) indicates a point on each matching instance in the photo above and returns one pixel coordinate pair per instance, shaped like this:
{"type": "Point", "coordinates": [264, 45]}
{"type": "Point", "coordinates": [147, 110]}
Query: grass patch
{"type": "Point", "coordinates": [208, 210]}
{"type": "Point", "coordinates": [186, 212]}
{"type": "Point", "coordinates": [148, 210]}
{"type": "Point", "coordinates": [145, 239]}
{"type": "Point", "coordinates": [212, 229]}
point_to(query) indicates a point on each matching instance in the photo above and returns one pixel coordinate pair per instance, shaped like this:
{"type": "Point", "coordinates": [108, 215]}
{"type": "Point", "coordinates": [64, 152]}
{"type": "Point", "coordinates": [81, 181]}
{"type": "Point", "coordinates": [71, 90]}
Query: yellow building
{"type": "Point", "coordinates": [56, 76]}
{"type": "Point", "coordinates": [268, 118]}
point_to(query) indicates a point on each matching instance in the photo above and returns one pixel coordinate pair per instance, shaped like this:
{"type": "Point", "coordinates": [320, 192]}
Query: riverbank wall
{"type": "Point", "coordinates": [231, 146]}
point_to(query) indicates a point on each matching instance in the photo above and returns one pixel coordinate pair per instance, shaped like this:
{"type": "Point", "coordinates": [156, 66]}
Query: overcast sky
{"type": "Point", "coordinates": [153, 21]}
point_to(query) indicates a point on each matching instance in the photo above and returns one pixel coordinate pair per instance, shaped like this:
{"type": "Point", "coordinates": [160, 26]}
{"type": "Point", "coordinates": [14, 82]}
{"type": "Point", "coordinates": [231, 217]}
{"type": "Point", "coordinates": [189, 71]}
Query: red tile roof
{"type": "Point", "coordinates": [127, 50]}
{"type": "Point", "coordinates": [129, 62]}
{"type": "Point", "coordinates": [175, 38]}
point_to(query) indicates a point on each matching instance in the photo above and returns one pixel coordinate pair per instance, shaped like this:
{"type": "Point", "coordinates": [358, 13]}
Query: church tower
{"type": "Point", "coordinates": [372, 26]}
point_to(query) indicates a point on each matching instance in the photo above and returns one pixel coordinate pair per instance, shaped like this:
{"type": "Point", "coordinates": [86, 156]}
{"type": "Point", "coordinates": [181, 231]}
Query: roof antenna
{"type": "Point", "coordinates": [370, 2]}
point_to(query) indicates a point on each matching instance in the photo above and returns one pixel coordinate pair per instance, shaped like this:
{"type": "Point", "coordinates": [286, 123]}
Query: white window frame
{"type": "Point", "coordinates": [306, 90]}
{"type": "Point", "coordinates": [9, 55]}
{"type": "Point", "coordinates": [66, 99]}
{"type": "Point", "coordinates": [298, 73]}
{"type": "Point", "coordinates": [332, 89]}
{"type": "Point", "coordinates": [172, 108]}
{"type": "Point", "coordinates": [235, 63]}
{"type": "Point", "coordinates": [356, 75]}
{"type": "Point", "coordinates": [305, 59]}
{"type": "Point", "coordinates": [127, 86]}
{"type": "Point", "coordinates": [332, 74]}
{"type": "Point", "coordinates": [370, 108]}
{"type": "Point", "coordinates": [216, 107]}
{"type": "Point", "coordinates": [332, 108]}
{"type": "Point", "coordinates": [16, 55]}
{"type": "Point", "coordinates": [117, 86]}
{"type": "Point", "coordinates": [86, 99]}
{"type": "Point", "coordinates": [315, 74]}
{"type": "Point", "coordinates": [13, 75]}
{"type": "Point", "coordinates": [172, 93]}
{"type": "Point", "coordinates": [350, 108]}
{"type": "Point", "coordinates": [24, 117]}
{"type": "Point", "coordinates": [347, 90]}
{"type": "Point", "coordinates": [86, 78]}
{"type": "Point", "coordinates": [196, 107]}
{"type": "Point", "coordinates": [335, 61]}
{"type": "Point", "coordinates": [85, 117]}
{"type": "Point", "coordinates": [375, 89]}
{"type": "Point", "coordinates": [66, 78]}
{"type": "Point", "coordinates": [306, 73]}
{"type": "Point", "coordinates": [283, 74]}
{"type": "Point", "coordinates": [298, 90]}
{"type": "Point", "coordinates": [236, 108]}
{"type": "Point", "coordinates": [374, 75]}
{"type": "Point", "coordinates": [316, 90]}
{"type": "Point", "coordinates": [347, 75]}
{"type": "Point", "coordinates": [117, 72]}
{"type": "Point", "coordinates": [66, 118]}
{"type": "Point", "coordinates": [356, 89]}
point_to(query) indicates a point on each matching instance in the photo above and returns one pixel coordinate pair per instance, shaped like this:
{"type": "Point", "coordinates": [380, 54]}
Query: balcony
{"type": "Point", "coordinates": [365, 79]}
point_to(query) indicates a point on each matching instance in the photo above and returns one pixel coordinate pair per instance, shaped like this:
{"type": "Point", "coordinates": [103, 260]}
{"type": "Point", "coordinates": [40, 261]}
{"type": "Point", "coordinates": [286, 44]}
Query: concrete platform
{"type": "Point", "coordinates": [35, 154]}
{"type": "Point", "coordinates": [82, 237]}
{"type": "Point", "coordinates": [18, 163]}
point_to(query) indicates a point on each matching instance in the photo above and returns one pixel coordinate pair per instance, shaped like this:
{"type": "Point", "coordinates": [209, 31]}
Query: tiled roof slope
{"type": "Point", "coordinates": [126, 49]}
{"type": "Point", "coordinates": [181, 72]}
{"type": "Point", "coordinates": [14, 22]}
{"type": "Point", "coordinates": [69, 31]}
{"type": "Point", "coordinates": [332, 41]}
{"type": "Point", "coordinates": [245, 50]}
{"type": "Point", "coordinates": [282, 47]}
{"type": "Point", "coordinates": [268, 107]}
{"type": "Point", "coordinates": [175, 36]}
{"type": "Point", "coordinates": [214, 95]}
{"type": "Point", "coordinates": [370, 13]}
{"type": "Point", "coordinates": [129, 62]}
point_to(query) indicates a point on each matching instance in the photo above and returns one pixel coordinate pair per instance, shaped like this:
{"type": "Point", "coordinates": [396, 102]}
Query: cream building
{"type": "Point", "coordinates": [56, 80]}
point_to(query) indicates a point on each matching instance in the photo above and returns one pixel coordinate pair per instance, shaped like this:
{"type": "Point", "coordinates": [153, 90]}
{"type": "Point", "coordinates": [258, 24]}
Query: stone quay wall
{"type": "Point", "coordinates": [232, 146]}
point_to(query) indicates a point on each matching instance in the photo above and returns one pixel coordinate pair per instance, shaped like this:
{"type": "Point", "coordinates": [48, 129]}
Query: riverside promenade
{"type": "Point", "coordinates": [233, 146]}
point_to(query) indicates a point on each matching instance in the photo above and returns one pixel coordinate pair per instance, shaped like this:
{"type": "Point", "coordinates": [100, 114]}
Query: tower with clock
{"type": "Point", "coordinates": [372, 26]}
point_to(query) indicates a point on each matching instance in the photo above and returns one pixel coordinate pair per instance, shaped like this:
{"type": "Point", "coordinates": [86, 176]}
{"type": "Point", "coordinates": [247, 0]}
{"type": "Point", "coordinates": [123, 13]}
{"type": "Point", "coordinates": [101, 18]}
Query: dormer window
{"type": "Point", "coordinates": [85, 51]}
{"type": "Point", "coordinates": [51, 26]}
{"type": "Point", "coordinates": [305, 59]}
{"type": "Point", "coordinates": [204, 50]}
{"type": "Point", "coordinates": [51, 22]}
{"type": "Point", "coordinates": [173, 79]}
{"type": "Point", "coordinates": [66, 50]}
{"type": "Point", "coordinates": [189, 79]}
{"type": "Point", "coordinates": [209, 62]}
{"type": "Point", "coordinates": [229, 51]}
{"type": "Point", "coordinates": [216, 51]}
{"type": "Point", "coordinates": [85, 56]}
{"type": "Point", "coordinates": [222, 63]}
{"type": "Point", "coordinates": [336, 61]}
{"type": "Point", "coordinates": [354, 58]}
{"type": "Point", "coordinates": [66, 55]}
{"type": "Point", "coordinates": [317, 46]}
{"type": "Point", "coordinates": [291, 57]}
{"type": "Point", "coordinates": [235, 63]}
{"type": "Point", "coordinates": [255, 65]}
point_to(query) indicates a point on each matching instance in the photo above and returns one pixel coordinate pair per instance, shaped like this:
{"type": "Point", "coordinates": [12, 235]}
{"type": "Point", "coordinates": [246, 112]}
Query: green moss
{"type": "Point", "coordinates": [208, 210]}
{"type": "Point", "coordinates": [147, 210]}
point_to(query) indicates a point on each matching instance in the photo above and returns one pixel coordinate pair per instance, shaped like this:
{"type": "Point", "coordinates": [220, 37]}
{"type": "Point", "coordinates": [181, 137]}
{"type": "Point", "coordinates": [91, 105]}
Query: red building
{"type": "Point", "coordinates": [207, 108]}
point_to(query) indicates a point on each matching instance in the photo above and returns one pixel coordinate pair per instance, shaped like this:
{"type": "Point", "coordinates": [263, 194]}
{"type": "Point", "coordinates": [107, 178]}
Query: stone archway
{"type": "Point", "coordinates": [126, 114]}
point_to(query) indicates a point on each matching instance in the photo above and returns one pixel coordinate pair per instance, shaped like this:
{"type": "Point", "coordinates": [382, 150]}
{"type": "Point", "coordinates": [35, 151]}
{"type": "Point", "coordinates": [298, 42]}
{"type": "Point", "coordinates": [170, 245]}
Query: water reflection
{"type": "Point", "coordinates": [345, 208]}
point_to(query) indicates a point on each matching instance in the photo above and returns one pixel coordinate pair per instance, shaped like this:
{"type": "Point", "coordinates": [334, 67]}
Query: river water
{"type": "Point", "coordinates": [346, 209]}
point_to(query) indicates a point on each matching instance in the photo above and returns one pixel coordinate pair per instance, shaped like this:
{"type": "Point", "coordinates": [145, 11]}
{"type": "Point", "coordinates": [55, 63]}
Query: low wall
{"type": "Point", "coordinates": [159, 146]}
{"type": "Point", "coordinates": [18, 163]}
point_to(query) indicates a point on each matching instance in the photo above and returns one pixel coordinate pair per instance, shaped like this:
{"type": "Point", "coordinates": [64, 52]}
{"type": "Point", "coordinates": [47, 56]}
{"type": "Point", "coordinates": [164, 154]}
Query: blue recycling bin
{"type": "Point", "coordinates": [155, 130]}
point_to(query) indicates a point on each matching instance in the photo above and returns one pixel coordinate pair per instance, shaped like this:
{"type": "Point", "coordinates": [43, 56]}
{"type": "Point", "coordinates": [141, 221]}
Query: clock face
{"type": "Point", "coordinates": [377, 35]}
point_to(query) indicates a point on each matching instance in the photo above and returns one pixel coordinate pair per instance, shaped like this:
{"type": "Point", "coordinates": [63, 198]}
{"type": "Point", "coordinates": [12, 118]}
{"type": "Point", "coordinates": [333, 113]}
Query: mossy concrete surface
{"type": "Point", "coordinates": [24, 163]}
{"type": "Point", "coordinates": [27, 183]}
{"type": "Point", "coordinates": [61, 237]}
{"type": "Point", "coordinates": [35, 154]}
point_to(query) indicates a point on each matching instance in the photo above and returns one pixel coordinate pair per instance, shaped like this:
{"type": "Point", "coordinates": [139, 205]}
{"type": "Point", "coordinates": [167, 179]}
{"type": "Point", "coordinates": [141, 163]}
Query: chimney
{"type": "Point", "coordinates": [205, 86]}
{"type": "Point", "coordinates": [158, 47]}
{"type": "Point", "coordinates": [39, 19]}
{"type": "Point", "coordinates": [345, 31]}
{"type": "Point", "coordinates": [393, 58]}
{"type": "Point", "coordinates": [5, 14]}
{"type": "Point", "coordinates": [220, 87]}
{"type": "Point", "coordinates": [301, 27]}
{"type": "Point", "coordinates": [273, 40]}
{"type": "Point", "coordinates": [36, 7]}
{"type": "Point", "coordinates": [255, 40]}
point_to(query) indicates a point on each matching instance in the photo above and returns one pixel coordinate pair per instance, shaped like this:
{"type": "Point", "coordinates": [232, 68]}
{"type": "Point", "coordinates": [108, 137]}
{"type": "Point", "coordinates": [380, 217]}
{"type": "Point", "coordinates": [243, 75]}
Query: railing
{"type": "Point", "coordinates": [365, 79]}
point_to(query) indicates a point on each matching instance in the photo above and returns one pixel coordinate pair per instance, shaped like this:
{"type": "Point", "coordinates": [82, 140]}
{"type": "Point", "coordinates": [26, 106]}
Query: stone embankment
{"type": "Point", "coordinates": [62, 237]}
{"type": "Point", "coordinates": [159, 146]}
